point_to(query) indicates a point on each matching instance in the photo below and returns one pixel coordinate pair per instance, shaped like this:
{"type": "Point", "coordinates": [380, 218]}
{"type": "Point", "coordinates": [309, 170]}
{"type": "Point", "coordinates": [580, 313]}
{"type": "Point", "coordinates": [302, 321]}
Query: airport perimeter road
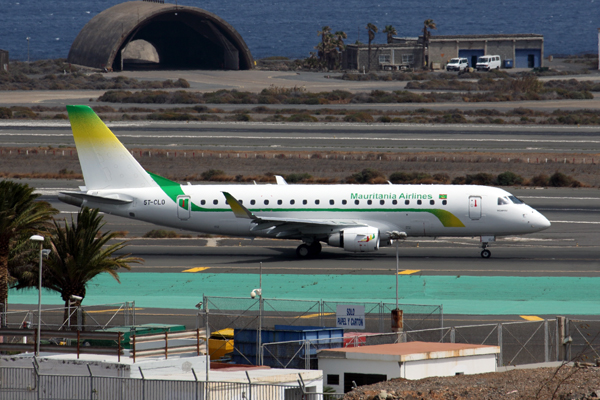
{"type": "Point", "coordinates": [568, 249]}
{"type": "Point", "coordinates": [248, 137]}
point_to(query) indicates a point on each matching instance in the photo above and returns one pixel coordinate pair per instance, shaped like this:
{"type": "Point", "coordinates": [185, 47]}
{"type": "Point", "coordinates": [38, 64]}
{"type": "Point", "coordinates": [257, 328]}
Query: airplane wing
{"type": "Point", "coordinates": [289, 227]}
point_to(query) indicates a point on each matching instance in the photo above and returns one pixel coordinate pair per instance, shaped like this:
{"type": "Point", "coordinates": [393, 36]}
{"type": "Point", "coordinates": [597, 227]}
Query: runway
{"type": "Point", "coordinates": [248, 137]}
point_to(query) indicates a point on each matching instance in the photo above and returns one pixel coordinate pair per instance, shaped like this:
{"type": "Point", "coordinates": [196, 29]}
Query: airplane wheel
{"type": "Point", "coordinates": [303, 251]}
{"type": "Point", "coordinates": [315, 249]}
{"type": "Point", "coordinates": [486, 254]}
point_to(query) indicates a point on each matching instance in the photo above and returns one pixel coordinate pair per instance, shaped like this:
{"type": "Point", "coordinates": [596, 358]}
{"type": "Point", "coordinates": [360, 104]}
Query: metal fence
{"type": "Point", "coordinates": [17, 383]}
{"type": "Point", "coordinates": [527, 342]}
{"type": "Point", "coordinates": [96, 317]}
{"type": "Point", "coordinates": [260, 314]}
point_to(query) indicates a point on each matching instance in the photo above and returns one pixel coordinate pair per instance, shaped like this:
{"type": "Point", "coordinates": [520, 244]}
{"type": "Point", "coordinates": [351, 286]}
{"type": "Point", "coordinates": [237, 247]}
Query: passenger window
{"type": "Point", "coordinates": [203, 202]}
{"type": "Point", "coordinates": [432, 202]}
{"type": "Point", "coordinates": [253, 202]}
{"type": "Point", "coordinates": [331, 202]}
{"type": "Point", "coordinates": [317, 201]}
{"type": "Point", "coordinates": [382, 202]}
{"type": "Point", "coordinates": [394, 202]}
{"type": "Point", "coordinates": [444, 202]}
{"type": "Point", "coordinates": [419, 202]}
{"type": "Point", "coordinates": [357, 202]}
{"type": "Point", "coordinates": [407, 202]}
{"type": "Point", "coordinates": [279, 202]}
{"type": "Point", "coordinates": [344, 202]}
{"type": "Point", "coordinates": [266, 202]}
{"type": "Point", "coordinates": [304, 202]}
{"type": "Point", "coordinates": [215, 201]}
{"type": "Point", "coordinates": [240, 201]}
{"type": "Point", "coordinates": [369, 202]}
{"type": "Point", "coordinates": [292, 201]}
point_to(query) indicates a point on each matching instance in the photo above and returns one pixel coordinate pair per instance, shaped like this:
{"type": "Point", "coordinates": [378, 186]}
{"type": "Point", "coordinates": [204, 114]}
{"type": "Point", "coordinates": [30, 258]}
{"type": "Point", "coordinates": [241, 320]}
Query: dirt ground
{"type": "Point", "coordinates": [335, 166]}
{"type": "Point", "coordinates": [566, 382]}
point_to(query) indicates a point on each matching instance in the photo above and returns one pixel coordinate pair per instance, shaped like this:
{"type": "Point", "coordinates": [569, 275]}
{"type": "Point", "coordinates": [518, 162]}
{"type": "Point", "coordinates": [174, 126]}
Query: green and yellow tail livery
{"type": "Point", "coordinates": [105, 162]}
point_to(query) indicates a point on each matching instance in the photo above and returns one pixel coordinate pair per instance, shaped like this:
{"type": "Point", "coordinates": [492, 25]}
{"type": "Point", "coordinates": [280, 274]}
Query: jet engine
{"type": "Point", "coordinates": [357, 240]}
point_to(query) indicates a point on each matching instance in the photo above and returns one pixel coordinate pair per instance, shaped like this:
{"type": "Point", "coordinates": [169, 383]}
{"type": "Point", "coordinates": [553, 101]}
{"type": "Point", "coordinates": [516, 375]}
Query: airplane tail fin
{"type": "Point", "coordinates": [105, 162]}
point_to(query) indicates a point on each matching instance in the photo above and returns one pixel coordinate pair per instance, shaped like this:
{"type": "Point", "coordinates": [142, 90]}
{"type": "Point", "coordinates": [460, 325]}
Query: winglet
{"type": "Point", "coordinates": [238, 209]}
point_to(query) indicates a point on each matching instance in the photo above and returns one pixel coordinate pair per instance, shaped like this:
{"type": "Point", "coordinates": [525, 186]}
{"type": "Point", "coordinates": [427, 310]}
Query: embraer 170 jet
{"type": "Point", "coordinates": [357, 218]}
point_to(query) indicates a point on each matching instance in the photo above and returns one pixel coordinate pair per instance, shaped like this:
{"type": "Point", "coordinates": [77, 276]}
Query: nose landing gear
{"type": "Point", "coordinates": [485, 253]}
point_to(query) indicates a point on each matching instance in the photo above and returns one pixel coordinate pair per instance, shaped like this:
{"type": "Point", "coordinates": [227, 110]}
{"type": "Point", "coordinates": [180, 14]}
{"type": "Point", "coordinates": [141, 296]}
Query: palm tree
{"type": "Point", "coordinates": [390, 31]}
{"type": "Point", "coordinates": [372, 29]}
{"type": "Point", "coordinates": [427, 25]}
{"type": "Point", "coordinates": [20, 216]}
{"type": "Point", "coordinates": [325, 34]}
{"type": "Point", "coordinates": [341, 46]}
{"type": "Point", "coordinates": [79, 252]}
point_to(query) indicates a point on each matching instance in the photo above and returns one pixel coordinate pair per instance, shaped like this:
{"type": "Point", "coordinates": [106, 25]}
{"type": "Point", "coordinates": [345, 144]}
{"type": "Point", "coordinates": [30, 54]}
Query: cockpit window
{"type": "Point", "coordinates": [503, 201]}
{"type": "Point", "coordinates": [515, 200]}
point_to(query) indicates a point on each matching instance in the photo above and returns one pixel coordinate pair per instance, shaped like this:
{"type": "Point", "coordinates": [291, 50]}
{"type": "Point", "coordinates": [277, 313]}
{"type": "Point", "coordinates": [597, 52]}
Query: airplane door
{"type": "Point", "coordinates": [475, 207]}
{"type": "Point", "coordinates": [183, 207]}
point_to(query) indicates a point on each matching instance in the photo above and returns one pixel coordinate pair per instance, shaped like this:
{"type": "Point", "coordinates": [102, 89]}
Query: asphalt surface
{"type": "Point", "coordinates": [248, 137]}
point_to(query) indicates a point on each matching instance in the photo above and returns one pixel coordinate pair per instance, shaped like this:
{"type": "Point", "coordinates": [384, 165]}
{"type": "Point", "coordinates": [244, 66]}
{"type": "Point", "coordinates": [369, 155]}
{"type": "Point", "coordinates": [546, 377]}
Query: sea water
{"type": "Point", "coordinates": [289, 27]}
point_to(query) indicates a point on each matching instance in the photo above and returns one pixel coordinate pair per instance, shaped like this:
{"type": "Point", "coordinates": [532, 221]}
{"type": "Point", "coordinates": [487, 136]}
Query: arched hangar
{"type": "Point", "coordinates": [154, 35]}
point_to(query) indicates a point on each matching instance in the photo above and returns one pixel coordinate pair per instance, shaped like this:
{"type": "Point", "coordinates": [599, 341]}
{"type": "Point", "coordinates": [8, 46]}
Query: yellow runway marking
{"type": "Point", "coordinates": [531, 318]}
{"type": "Point", "coordinates": [103, 311]}
{"type": "Point", "coordinates": [409, 271]}
{"type": "Point", "coordinates": [315, 315]}
{"type": "Point", "coordinates": [197, 269]}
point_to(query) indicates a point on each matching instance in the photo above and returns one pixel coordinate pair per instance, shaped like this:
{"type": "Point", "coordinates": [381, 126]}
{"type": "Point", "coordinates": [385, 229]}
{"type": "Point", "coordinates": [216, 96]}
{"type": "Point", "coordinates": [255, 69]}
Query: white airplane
{"type": "Point", "coordinates": [357, 218]}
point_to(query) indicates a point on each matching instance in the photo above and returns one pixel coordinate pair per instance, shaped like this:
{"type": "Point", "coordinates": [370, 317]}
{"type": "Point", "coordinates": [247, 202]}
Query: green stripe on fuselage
{"type": "Point", "coordinates": [173, 189]}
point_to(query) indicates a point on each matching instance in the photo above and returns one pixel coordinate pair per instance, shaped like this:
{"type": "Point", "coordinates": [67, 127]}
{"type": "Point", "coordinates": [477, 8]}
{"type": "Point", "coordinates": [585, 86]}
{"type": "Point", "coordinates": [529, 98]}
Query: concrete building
{"type": "Point", "coordinates": [526, 50]}
{"type": "Point", "coordinates": [395, 56]}
{"type": "Point", "coordinates": [412, 360]}
{"type": "Point", "coordinates": [159, 35]}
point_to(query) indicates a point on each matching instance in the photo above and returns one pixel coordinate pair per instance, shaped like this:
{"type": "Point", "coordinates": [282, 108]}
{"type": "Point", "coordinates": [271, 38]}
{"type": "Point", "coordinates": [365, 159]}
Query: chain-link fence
{"type": "Point", "coordinates": [28, 384]}
{"type": "Point", "coordinates": [96, 317]}
{"type": "Point", "coordinates": [527, 342]}
{"type": "Point", "coordinates": [246, 316]}
{"type": "Point", "coordinates": [245, 313]}
{"type": "Point", "coordinates": [582, 340]}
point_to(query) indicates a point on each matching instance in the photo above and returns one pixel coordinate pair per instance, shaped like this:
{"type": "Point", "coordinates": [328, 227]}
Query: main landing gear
{"type": "Point", "coordinates": [309, 250]}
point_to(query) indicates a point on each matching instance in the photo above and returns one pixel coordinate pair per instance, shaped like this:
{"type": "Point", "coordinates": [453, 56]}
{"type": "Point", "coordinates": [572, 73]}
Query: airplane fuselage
{"type": "Point", "coordinates": [418, 210]}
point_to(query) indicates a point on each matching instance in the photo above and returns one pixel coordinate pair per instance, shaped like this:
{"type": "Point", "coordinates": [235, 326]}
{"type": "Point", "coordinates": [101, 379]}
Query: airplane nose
{"type": "Point", "coordinates": [541, 222]}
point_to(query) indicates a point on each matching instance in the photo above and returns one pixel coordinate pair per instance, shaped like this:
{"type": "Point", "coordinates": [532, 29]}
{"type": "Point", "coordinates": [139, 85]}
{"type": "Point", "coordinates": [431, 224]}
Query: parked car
{"type": "Point", "coordinates": [457, 64]}
{"type": "Point", "coordinates": [487, 63]}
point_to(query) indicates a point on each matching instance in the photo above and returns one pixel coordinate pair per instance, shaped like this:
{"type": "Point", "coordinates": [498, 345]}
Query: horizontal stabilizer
{"type": "Point", "coordinates": [76, 198]}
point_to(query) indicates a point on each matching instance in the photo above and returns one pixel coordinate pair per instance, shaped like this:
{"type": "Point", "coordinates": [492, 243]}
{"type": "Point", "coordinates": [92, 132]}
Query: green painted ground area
{"type": "Point", "coordinates": [458, 295]}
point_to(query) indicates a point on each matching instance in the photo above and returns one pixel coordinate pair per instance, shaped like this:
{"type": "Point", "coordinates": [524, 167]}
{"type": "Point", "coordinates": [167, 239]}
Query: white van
{"type": "Point", "coordinates": [487, 63]}
{"type": "Point", "coordinates": [457, 64]}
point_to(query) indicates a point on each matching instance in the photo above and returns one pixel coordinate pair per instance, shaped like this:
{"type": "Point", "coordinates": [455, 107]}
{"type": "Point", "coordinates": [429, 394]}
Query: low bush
{"type": "Point", "coordinates": [367, 175]}
{"type": "Point", "coordinates": [509, 178]}
{"type": "Point", "coordinates": [211, 174]}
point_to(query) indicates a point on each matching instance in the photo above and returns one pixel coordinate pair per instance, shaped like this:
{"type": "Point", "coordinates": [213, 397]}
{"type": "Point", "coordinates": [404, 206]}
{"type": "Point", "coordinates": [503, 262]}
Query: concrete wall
{"type": "Point", "coordinates": [340, 366]}
{"type": "Point", "coordinates": [441, 50]}
{"type": "Point", "coordinates": [408, 370]}
{"type": "Point", "coordinates": [357, 57]}
{"type": "Point", "coordinates": [449, 366]}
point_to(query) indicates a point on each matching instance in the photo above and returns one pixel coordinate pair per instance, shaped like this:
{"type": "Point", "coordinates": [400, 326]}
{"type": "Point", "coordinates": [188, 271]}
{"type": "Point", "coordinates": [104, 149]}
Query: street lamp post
{"type": "Point", "coordinates": [260, 309]}
{"type": "Point", "coordinates": [396, 313]}
{"type": "Point", "coordinates": [38, 238]}
{"type": "Point", "coordinates": [28, 65]}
